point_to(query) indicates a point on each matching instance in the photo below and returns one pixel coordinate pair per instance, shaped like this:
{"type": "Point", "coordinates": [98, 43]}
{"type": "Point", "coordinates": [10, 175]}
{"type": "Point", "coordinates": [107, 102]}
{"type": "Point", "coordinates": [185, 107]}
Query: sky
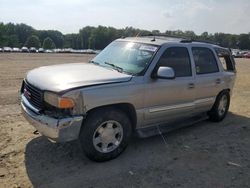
{"type": "Point", "coordinates": [68, 16]}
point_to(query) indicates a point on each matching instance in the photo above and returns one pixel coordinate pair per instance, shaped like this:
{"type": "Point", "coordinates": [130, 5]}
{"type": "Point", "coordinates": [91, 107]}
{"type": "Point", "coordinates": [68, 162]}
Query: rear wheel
{"type": "Point", "coordinates": [105, 134]}
{"type": "Point", "coordinates": [220, 107]}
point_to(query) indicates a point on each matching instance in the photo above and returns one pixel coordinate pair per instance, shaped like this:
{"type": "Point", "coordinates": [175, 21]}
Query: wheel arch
{"type": "Point", "coordinates": [227, 89]}
{"type": "Point", "coordinates": [216, 97]}
{"type": "Point", "coordinates": [127, 108]}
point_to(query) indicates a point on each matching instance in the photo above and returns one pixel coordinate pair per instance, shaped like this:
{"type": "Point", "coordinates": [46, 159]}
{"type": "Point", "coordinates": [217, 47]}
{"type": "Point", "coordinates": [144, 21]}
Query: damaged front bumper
{"type": "Point", "coordinates": [58, 130]}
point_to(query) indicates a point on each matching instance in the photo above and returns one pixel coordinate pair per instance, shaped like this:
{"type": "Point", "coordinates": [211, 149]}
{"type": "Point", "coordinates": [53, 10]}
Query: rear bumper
{"type": "Point", "coordinates": [58, 130]}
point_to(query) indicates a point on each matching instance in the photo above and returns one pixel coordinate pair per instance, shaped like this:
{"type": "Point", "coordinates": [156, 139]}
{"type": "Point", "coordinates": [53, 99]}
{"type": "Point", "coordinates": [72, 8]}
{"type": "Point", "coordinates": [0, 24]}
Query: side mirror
{"type": "Point", "coordinates": [165, 73]}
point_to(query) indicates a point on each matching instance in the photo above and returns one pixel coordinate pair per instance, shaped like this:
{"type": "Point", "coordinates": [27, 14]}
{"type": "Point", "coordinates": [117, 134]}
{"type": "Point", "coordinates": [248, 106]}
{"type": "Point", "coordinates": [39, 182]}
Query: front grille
{"type": "Point", "coordinates": [33, 95]}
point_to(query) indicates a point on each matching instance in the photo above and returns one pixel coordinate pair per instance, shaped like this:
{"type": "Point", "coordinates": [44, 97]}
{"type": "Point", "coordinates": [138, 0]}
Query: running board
{"type": "Point", "coordinates": [168, 127]}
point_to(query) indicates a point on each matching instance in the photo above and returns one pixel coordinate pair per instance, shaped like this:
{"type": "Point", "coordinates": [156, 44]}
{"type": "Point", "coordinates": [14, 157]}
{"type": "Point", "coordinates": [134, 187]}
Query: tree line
{"type": "Point", "coordinates": [18, 35]}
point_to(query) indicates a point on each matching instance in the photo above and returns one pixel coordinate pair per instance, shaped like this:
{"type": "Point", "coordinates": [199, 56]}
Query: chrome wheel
{"type": "Point", "coordinates": [222, 105]}
{"type": "Point", "coordinates": [108, 136]}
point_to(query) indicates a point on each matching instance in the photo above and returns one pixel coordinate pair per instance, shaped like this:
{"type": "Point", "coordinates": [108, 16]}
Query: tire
{"type": "Point", "coordinates": [220, 107]}
{"type": "Point", "coordinates": [105, 134]}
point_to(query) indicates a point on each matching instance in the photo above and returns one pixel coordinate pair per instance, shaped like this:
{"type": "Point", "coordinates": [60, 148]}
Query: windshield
{"type": "Point", "coordinates": [128, 57]}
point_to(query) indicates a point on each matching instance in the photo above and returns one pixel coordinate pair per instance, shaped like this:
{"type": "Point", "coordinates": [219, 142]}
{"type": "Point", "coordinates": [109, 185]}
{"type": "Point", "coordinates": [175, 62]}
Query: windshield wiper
{"type": "Point", "coordinates": [119, 69]}
{"type": "Point", "coordinates": [94, 62]}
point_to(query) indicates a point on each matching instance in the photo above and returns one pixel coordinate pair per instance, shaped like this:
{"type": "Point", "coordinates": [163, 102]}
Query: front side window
{"type": "Point", "coordinates": [205, 61]}
{"type": "Point", "coordinates": [127, 57]}
{"type": "Point", "coordinates": [178, 59]}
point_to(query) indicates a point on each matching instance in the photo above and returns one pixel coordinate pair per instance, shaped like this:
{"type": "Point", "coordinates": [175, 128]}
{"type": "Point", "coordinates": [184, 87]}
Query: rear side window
{"type": "Point", "coordinates": [178, 59]}
{"type": "Point", "coordinates": [226, 59]}
{"type": "Point", "coordinates": [205, 61]}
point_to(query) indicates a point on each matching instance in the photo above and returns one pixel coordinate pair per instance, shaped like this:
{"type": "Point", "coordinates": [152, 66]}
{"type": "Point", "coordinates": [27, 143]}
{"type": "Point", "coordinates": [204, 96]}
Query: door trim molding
{"type": "Point", "coordinates": [179, 106]}
{"type": "Point", "coordinates": [205, 100]}
{"type": "Point", "coordinates": [172, 107]}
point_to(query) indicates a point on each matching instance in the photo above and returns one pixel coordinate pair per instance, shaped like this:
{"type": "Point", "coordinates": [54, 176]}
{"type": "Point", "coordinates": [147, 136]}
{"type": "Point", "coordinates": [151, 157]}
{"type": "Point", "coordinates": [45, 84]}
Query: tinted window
{"type": "Point", "coordinates": [226, 59]}
{"type": "Point", "coordinates": [178, 59]}
{"type": "Point", "coordinates": [205, 61]}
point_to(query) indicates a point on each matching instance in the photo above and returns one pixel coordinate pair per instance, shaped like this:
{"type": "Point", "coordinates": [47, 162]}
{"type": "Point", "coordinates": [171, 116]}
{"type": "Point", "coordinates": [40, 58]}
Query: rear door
{"type": "Point", "coordinates": [209, 79]}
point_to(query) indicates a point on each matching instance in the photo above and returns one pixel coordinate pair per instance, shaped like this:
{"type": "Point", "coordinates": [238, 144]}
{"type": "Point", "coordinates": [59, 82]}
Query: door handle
{"type": "Point", "coordinates": [190, 85]}
{"type": "Point", "coordinates": [218, 81]}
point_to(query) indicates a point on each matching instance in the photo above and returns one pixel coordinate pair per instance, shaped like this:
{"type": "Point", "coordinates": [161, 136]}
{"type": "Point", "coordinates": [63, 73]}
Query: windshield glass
{"type": "Point", "coordinates": [128, 57]}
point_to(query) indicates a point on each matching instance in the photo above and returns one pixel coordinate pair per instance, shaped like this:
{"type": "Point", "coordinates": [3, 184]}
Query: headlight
{"type": "Point", "coordinates": [57, 101]}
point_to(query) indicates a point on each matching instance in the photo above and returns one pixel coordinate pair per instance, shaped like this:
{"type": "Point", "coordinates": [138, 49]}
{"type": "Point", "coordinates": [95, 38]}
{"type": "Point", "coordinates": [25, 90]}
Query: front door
{"type": "Point", "coordinates": [170, 99]}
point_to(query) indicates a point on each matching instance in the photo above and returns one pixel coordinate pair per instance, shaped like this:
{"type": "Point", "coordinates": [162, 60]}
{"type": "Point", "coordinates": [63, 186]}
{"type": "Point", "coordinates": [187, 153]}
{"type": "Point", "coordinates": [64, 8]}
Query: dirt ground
{"type": "Point", "coordinates": [204, 155]}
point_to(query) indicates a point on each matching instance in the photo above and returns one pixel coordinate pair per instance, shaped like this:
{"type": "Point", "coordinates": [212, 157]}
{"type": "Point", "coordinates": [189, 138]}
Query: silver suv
{"type": "Point", "coordinates": [143, 85]}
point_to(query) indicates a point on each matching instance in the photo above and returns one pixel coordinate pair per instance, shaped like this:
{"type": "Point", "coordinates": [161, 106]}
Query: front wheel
{"type": "Point", "coordinates": [220, 107]}
{"type": "Point", "coordinates": [105, 134]}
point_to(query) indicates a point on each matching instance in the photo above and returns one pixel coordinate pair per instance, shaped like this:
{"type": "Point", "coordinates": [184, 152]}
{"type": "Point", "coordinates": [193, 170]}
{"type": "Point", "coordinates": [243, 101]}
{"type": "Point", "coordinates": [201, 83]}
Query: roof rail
{"type": "Point", "coordinates": [183, 39]}
{"type": "Point", "coordinates": [195, 40]}
{"type": "Point", "coordinates": [186, 41]}
{"type": "Point", "coordinates": [165, 35]}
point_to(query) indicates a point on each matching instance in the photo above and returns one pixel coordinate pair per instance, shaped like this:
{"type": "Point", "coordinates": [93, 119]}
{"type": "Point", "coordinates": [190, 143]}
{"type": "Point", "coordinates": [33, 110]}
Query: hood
{"type": "Point", "coordinates": [66, 76]}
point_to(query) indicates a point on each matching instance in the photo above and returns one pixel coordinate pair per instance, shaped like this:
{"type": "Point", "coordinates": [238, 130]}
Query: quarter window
{"type": "Point", "coordinates": [226, 59]}
{"type": "Point", "coordinates": [178, 59]}
{"type": "Point", "coordinates": [205, 61]}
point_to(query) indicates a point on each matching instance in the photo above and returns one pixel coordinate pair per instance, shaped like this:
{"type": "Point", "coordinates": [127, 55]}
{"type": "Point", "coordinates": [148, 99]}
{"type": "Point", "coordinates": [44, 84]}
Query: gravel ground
{"type": "Point", "coordinates": [203, 155]}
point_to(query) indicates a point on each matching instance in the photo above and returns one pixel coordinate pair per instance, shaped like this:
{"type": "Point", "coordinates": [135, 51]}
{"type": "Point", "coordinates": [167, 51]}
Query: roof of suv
{"type": "Point", "coordinates": [160, 40]}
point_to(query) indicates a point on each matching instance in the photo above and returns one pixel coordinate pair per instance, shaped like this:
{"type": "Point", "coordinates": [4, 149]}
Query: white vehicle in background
{"type": "Point", "coordinates": [7, 49]}
{"type": "Point", "coordinates": [89, 51]}
{"type": "Point", "coordinates": [41, 50]}
{"type": "Point", "coordinates": [57, 50]}
{"type": "Point", "coordinates": [97, 51]}
{"type": "Point", "coordinates": [48, 51]}
{"type": "Point", "coordinates": [1, 50]}
{"type": "Point", "coordinates": [66, 50]}
{"type": "Point", "coordinates": [16, 50]}
{"type": "Point", "coordinates": [236, 54]}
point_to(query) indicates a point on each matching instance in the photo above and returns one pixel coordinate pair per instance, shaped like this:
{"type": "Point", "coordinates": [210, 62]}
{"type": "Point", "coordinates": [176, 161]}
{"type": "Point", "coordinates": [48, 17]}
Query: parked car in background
{"type": "Point", "coordinates": [143, 85]}
{"type": "Point", "coordinates": [247, 55]}
{"type": "Point", "coordinates": [24, 49]}
{"type": "Point", "coordinates": [41, 50]}
{"type": "Point", "coordinates": [7, 49]}
{"type": "Point", "coordinates": [16, 50]}
{"type": "Point", "coordinates": [48, 51]}
{"type": "Point", "coordinates": [97, 51]}
{"type": "Point", "coordinates": [242, 53]}
{"type": "Point", "coordinates": [1, 50]}
{"type": "Point", "coordinates": [57, 50]}
{"type": "Point", "coordinates": [33, 50]}
{"type": "Point", "coordinates": [237, 54]}
{"type": "Point", "coordinates": [89, 51]}
{"type": "Point", "coordinates": [66, 50]}
{"type": "Point", "coordinates": [75, 51]}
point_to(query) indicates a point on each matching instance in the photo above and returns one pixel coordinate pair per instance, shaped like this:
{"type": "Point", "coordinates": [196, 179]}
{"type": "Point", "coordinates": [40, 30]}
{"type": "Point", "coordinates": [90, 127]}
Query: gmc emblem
{"type": "Point", "coordinates": [26, 93]}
